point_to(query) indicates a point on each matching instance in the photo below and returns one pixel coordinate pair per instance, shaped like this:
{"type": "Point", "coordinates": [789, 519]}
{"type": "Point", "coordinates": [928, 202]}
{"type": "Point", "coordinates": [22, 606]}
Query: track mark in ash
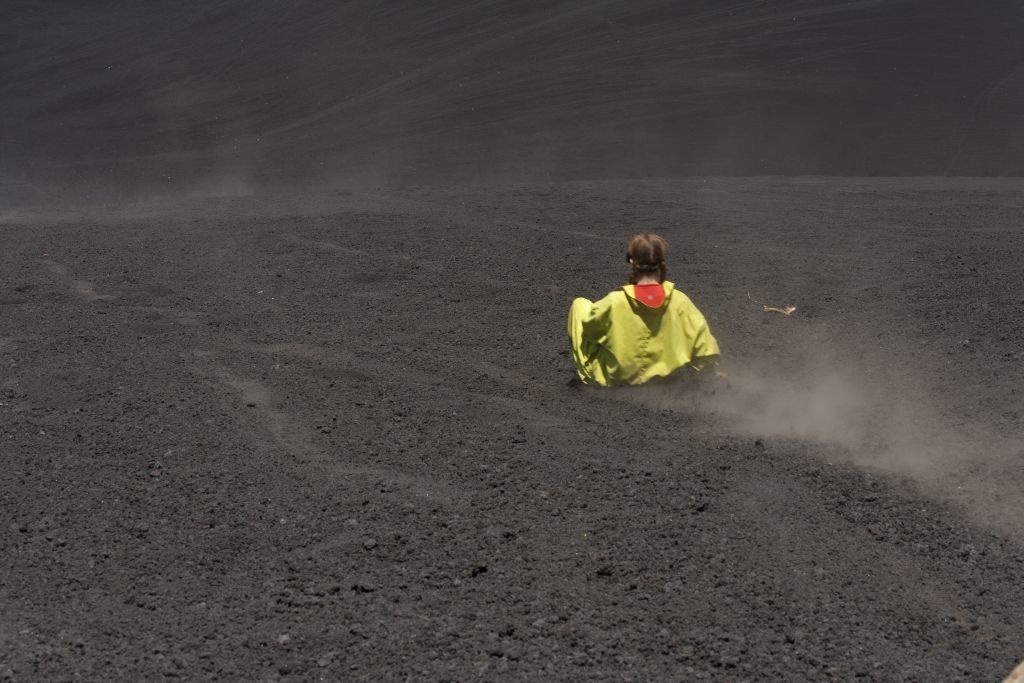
{"type": "Point", "coordinates": [301, 350]}
{"type": "Point", "coordinates": [286, 432]}
{"type": "Point", "coordinates": [161, 319]}
{"type": "Point", "coordinates": [155, 310]}
{"type": "Point", "coordinates": [342, 364]}
{"type": "Point", "coordinates": [530, 414]}
{"type": "Point", "coordinates": [255, 395]}
{"type": "Point", "coordinates": [324, 245]}
{"type": "Point", "coordinates": [335, 364]}
{"type": "Point", "coordinates": [82, 289]}
{"type": "Point", "coordinates": [334, 248]}
{"type": "Point", "coordinates": [574, 233]}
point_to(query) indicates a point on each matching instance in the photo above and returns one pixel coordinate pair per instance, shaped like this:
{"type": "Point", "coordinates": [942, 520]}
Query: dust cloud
{"type": "Point", "coordinates": [853, 411]}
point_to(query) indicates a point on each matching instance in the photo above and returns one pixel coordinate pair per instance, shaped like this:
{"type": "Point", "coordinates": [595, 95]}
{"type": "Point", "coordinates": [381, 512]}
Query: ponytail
{"type": "Point", "coordinates": [646, 255]}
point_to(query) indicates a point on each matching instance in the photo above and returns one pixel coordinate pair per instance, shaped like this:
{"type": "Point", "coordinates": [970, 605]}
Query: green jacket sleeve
{"type": "Point", "coordinates": [597, 322]}
{"type": "Point", "coordinates": [705, 352]}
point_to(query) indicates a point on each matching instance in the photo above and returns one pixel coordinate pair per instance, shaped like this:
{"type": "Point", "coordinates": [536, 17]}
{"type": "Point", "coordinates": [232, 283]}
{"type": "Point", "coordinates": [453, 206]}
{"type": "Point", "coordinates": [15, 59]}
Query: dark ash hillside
{"type": "Point", "coordinates": [227, 96]}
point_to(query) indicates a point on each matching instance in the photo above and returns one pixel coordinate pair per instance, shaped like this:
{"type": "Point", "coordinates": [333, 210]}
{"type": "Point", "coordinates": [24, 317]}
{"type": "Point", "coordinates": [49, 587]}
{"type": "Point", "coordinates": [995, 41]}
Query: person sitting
{"type": "Point", "coordinates": [646, 330]}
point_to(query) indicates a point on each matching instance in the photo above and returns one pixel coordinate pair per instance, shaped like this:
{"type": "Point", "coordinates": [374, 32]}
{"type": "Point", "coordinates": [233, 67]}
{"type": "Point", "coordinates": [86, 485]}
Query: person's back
{"type": "Point", "coordinates": [645, 330]}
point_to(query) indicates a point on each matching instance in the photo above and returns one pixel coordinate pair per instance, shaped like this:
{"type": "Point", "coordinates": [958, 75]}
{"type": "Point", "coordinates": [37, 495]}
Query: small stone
{"type": "Point", "coordinates": [370, 544]}
{"type": "Point", "coordinates": [284, 639]}
{"type": "Point", "coordinates": [328, 658]}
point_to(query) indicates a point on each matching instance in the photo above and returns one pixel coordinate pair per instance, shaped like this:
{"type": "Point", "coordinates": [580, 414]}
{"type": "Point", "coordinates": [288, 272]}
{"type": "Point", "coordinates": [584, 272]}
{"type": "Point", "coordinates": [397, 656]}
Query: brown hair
{"type": "Point", "coordinates": [647, 255]}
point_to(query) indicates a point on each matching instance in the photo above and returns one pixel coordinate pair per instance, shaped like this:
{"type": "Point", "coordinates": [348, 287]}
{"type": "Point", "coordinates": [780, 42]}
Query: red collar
{"type": "Point", "coordinates": [651, 294]}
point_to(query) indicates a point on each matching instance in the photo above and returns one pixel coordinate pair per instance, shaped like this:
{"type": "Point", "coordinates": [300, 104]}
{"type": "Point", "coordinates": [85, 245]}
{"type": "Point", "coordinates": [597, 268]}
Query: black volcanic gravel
{"type": "Point", "coordinates": [330, 437]}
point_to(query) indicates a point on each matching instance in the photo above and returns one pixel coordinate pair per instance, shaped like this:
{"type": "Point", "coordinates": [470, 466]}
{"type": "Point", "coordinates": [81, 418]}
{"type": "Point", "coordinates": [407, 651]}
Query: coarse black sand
{"type": "Point", "coordinates": [331, 437]}
{"type": "Point", "coordinates": [283, 368]}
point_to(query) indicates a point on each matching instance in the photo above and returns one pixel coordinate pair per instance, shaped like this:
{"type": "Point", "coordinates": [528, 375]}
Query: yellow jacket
{"type": "Point", "coordinates": [619, 340]}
